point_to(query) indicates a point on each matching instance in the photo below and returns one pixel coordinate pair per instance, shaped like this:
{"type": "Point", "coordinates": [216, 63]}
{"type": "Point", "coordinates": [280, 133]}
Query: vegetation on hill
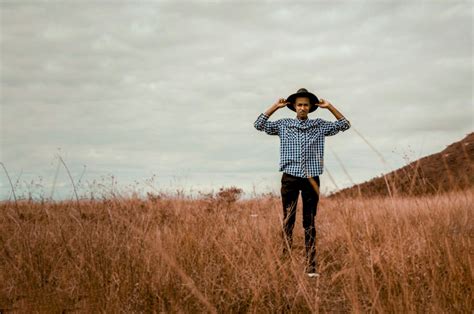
{"type": "Point", "coordinates": [449, 170]}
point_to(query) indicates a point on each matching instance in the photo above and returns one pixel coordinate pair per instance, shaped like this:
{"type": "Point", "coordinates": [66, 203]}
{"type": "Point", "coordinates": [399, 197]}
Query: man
{"type": "Point", "coordinates": [301, 161]}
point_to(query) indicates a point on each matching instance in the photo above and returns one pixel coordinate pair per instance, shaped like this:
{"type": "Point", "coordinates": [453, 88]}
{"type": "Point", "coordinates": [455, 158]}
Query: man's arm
{"type": "Point", "coordinates": [280, 103]}
{"type": "Point", "coordinates": [269, 127]}
{"type": "Point", "coordinates": [327, 105]}
{"type": "Point", "coordinates": [332, 128]}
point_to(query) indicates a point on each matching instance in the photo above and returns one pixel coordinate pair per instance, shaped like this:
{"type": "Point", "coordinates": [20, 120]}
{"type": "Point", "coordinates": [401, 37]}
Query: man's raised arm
{"type": "Point", "coordinates": [332, 128]}
{"type": "Point", "coordinates": [262, 123]}
{"type": "Point", "coordinates": [279, 104]}
{"type": "Point", "coordinates": [327, 105]}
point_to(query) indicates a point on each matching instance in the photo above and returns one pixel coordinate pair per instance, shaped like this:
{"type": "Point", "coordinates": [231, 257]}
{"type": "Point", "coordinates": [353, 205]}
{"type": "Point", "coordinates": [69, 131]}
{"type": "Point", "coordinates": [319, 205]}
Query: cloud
{"type": "Point", "coordinates": [174, 88]}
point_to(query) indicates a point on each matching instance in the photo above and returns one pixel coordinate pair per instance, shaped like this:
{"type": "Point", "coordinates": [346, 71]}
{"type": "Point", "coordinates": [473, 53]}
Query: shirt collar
{"type": "Point", "coordinates": [302, 121]}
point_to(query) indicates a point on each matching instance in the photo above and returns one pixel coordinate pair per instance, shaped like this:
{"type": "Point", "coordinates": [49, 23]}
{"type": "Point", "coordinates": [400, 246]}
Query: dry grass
{"type": "Point", "coordinates": [183, 255]}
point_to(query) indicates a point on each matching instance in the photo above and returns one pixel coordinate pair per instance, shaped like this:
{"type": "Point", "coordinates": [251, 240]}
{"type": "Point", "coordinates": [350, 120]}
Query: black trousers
{"type": "Point", "coordinates": [290, 189]}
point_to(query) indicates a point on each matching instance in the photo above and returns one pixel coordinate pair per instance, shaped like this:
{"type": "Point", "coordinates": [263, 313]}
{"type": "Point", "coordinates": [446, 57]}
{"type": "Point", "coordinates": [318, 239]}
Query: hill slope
{"type": "Point", "coordinates": [450, 169]}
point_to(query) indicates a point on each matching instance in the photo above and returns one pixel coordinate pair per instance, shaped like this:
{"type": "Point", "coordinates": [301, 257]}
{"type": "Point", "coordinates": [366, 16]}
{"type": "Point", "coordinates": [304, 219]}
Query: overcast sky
{"type": "Point", "coordinates": [165, 93]}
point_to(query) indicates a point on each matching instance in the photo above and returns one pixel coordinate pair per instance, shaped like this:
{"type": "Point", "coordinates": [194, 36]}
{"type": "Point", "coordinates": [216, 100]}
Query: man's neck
{"type": "Point", "coordinates": [301, 118]}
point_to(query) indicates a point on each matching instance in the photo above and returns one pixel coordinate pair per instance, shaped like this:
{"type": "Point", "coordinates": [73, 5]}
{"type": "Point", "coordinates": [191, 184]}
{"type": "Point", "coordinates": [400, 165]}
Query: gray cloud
{"type": "Point", "coordinates": [174, 87]}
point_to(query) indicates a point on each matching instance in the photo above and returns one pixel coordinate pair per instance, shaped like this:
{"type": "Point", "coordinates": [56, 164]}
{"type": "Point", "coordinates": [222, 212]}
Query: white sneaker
{"type": "Point", "coordinates": [312, 275]}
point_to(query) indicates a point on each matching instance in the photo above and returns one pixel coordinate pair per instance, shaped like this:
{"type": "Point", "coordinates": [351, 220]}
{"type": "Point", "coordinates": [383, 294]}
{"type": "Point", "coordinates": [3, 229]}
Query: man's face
{"type": "Point", "coordinates": [302, 106]}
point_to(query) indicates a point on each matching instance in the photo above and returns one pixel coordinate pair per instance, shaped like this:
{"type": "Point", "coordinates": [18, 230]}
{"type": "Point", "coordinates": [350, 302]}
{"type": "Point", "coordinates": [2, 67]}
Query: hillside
{"type": "Point", "coordinates": [448, 170]}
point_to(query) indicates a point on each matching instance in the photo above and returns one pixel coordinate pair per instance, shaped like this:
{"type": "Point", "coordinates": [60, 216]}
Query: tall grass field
{"type": "Point", "coordinates": [222, 255]}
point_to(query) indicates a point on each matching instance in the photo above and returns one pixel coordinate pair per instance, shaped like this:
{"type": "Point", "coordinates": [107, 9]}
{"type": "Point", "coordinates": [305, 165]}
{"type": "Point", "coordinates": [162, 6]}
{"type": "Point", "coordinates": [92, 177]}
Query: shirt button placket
{"type": "Point", "coordinates": [303, 157]}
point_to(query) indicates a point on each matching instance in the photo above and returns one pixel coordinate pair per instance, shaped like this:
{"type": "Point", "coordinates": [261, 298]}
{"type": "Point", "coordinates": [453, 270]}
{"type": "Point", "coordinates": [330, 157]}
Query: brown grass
{"type": "Point", "coordinates": [394, 255]}
{"type": "Point", "coordinates": [449, 170]}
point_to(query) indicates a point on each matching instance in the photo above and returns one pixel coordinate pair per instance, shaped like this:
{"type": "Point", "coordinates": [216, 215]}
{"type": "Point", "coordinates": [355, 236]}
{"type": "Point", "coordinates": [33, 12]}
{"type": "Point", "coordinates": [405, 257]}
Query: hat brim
{"type": "Point", "coordinates": [313, 100]}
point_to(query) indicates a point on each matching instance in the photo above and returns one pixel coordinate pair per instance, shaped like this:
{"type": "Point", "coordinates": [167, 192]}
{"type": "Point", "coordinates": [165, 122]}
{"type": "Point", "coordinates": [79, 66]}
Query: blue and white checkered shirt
{"type": "Point", "coordinates": [301, 142]}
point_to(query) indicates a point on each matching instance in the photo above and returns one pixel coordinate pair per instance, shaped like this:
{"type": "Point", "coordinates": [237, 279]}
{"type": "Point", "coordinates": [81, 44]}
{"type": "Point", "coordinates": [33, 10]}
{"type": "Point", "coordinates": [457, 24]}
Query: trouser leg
{"type": "Point", "coordinates": [289, 196]}
{"type": "Point", "coordinates": [310, 196]}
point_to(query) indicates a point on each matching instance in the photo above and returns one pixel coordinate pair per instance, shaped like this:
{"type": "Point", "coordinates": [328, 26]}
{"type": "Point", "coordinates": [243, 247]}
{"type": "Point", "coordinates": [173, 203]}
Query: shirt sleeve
{"type": "Point", "coordinates": [270, 127]}
{"type": "Point", "coordinates": [332, 128]}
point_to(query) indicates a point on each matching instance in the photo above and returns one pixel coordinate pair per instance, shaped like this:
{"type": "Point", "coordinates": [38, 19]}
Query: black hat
{"type": "Point", "coordinates": [303, 92]}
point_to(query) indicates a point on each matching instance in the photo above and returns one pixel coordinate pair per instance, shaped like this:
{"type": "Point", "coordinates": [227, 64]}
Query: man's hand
{"type": "Point", "coordinates": [281, 103]}
{"type": "Point", "coordinates": [323, 103]}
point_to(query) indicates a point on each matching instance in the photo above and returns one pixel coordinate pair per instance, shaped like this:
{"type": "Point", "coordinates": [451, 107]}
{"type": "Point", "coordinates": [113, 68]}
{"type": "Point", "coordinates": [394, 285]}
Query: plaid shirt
{"type": "Point", "coordinates": [301, 142]}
